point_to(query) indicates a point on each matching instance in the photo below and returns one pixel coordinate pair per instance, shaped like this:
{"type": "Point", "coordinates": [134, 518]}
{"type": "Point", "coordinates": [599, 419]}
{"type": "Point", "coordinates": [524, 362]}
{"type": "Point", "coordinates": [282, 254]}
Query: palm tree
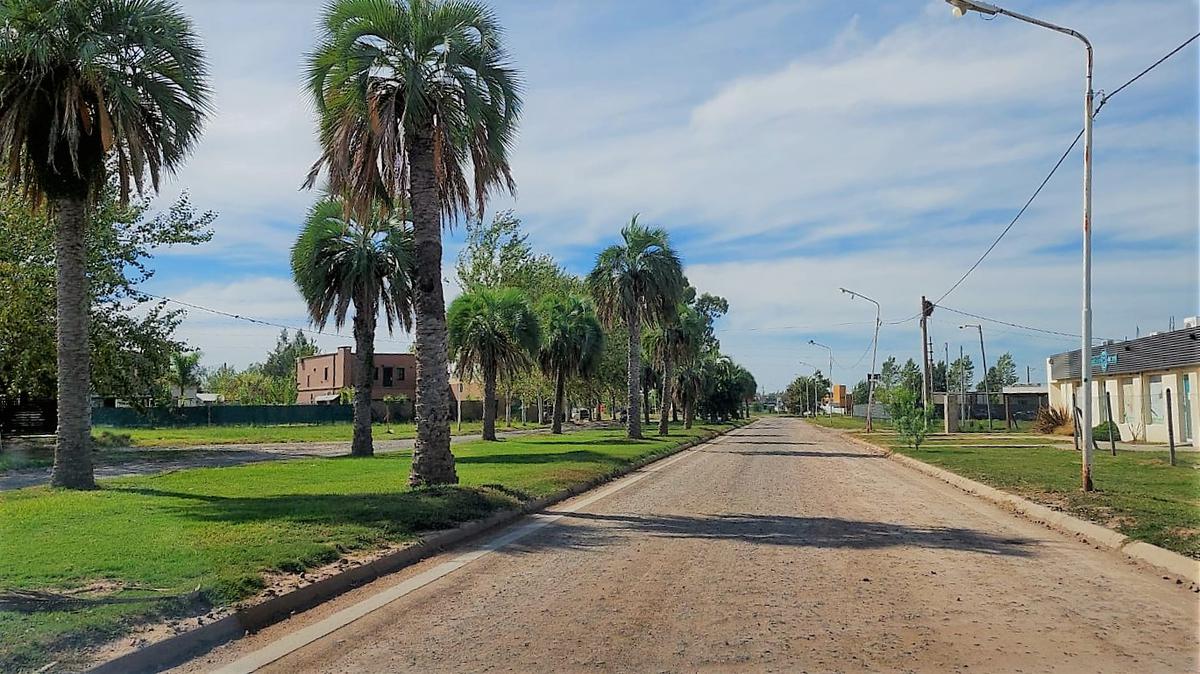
{"type": "Point", "coordinates": [86, 87]}
{"type": "Point", "coordinates": [417, 104]}
{"type": "Point", "coordinates": [637, 282]}
{"type": "Point", "coordinates": [677, 339]}
{"type": "Point", "coordinates": [572, 345]}
{"type": "Point", "coordinates": [691, 382]}
{"type": "Point", "coordinates": [494, 331]}
{"type": "Point", "coordinates": [365, 263]}
{"type": "Point", "coordinates": [184, 372]}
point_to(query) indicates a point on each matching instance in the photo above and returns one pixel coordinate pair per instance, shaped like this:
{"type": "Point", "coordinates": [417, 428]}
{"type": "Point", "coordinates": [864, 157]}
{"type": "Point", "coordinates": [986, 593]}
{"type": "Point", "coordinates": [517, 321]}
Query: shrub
{"type": "Point", "coordinates": [108, 439]}
{"type": "Point", "coordinates": [1052, 419]}
{"type": "Point", "coordinates": [1100, 432]}
{"type": "Point", "coordinates": [911, 421]}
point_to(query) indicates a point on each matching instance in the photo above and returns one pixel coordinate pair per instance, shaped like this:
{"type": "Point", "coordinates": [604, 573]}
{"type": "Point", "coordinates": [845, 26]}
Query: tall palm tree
{"type": "Point", "coordinates": [677, 339]}
{"type": "Point", "coordinates": [86, 87]}
{"type": "Point", "coordinates": [184, 372]}
{"type": "Point", "coordinates": [496, 332]}
{"type": "Point", "coordinates": [692, 380]}
{"type": "Point", "coordinates": [365, 263]}
{"type": "Point", "coordinates": [417, 102]}
{"type": "Point", "coordinates": [572, 345]}
{"type": "Point", "coordinates": [637, 282]}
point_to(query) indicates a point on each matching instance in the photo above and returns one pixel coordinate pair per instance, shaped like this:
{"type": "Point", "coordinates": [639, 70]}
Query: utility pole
{"type": "Point", "coordinates": [926, 374]}
{"type": "Point", "coordinates": [962, 386]}
{"type": "Point", "coordinates": [830, 349]}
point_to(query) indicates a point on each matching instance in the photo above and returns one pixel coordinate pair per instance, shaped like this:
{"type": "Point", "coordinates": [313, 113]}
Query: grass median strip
{"type": "Point", "coordinates": [188, 436]}
{"type": "Point", "coordinates": [1137, 493]}
{"type": "Point", "coordinates": [220, 529]}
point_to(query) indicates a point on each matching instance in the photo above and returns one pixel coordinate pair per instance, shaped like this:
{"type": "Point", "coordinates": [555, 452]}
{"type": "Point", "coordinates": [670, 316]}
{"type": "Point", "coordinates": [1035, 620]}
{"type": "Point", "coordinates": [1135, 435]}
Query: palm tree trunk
{"type": "Point", "coordinates": [633, 420]}
{"type": "Point", "coordinates": [665, 409]}
{"type": "Point", "coordinates": [560, 392]}
{"type": "Point", "coordinates": [364, 371]}
{"type": "Point", "coordinates": [432, 462]}
{"type": "Point", "coordinates": [73, 453]}
{"type": "Point", "coordinates": [489, 400]}
{"type": "Point", "coordinates": [689, 414]}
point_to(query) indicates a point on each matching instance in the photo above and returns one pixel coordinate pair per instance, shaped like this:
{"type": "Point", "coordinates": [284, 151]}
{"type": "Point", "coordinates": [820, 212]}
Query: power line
{"type": "Point", "coordinates": [1014, 325]}
{"type": "Point", "coordinates": [1103, 100]}
{"type": "Point", "coordinates": [259, 321]}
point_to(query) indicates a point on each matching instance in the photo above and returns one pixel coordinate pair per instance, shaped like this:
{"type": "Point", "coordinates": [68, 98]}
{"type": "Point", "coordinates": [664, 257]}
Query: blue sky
{"type": "Point", "coordinates": [790, 148]}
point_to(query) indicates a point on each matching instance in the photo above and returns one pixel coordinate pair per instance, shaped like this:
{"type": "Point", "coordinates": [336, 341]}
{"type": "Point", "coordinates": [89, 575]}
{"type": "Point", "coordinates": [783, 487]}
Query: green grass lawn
{"type": "Point", "coordinates": [227, 435]}
{"type": "Point", "coordinates": [220, 529]}
{"type": "Point", "coordinates": [1137, 493]}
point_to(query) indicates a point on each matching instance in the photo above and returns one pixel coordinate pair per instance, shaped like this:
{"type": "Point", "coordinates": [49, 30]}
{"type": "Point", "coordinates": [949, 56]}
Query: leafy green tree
{"type": "Point", "coordinates": [862, 392]}
{"type": "Point", "coordinates": [911, 421]}
{"type": "Point", "coordinates": [131, 337]}
{"type": "Point", "coordinates": [676, 340]}
{"type": "Point", "coordinates": [635, 283]}
{"type": "Point", "coordinates": [910, 377]}
{"type": "Point", "coordinates": [417, 103]}
{"type": "Point", "coordinates": [962, 373]}
{"type": "Point", "coordinates": [365, 263]}
{"type": "Point", "coordinates": [185, 371]}
{"type": "Point", "coordinates": [281, 361]}
{"type": "Point", "coordinates": [889, 374]}
{"type": "Point", "coordinates": [86, 87]}
{"type": "Point", "coordinates": [1003, 373]}
{"type": "Point", "coordinates": [572, 345]}
{"type": "Point", "coordinates": [493, 331]}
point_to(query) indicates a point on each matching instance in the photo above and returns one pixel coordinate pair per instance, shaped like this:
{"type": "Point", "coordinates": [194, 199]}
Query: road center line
{"type": "Point", "coordinates": [300, 638]}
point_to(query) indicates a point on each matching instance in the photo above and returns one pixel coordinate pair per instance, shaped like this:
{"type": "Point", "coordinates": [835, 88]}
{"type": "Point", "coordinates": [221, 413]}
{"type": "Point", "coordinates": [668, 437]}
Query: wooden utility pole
{"type": "Point", "coordinates": [926, 373]}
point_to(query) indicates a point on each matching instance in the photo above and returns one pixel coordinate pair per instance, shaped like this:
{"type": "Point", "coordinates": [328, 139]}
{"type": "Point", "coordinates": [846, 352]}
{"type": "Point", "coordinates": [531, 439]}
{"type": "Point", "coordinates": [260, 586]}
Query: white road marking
{"type": "Point", "coordinates": [283, 646]}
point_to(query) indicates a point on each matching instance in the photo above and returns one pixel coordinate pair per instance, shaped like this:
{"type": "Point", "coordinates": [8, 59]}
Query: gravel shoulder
{"type": "Point", "coordinates": [775, 548]}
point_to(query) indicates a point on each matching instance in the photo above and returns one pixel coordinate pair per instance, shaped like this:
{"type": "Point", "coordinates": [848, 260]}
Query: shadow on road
{"type": "Point", "coordinates": [800, 453]}
{"type": "Point", "coordinates": [593, 530]}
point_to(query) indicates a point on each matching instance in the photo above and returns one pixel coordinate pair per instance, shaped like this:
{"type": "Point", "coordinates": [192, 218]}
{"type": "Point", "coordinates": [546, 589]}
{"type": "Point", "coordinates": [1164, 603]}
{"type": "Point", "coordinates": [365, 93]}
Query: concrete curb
{"type": "Point", "coordinates": [180, 648]}
{"type": "Point", "coordinates": [1172, 562]}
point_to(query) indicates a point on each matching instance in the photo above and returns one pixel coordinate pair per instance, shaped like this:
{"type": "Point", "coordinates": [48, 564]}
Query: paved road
{"type": "Point", "coordinates": [155, 460]}
{"type": "Point", "coordinates": [778, 548]}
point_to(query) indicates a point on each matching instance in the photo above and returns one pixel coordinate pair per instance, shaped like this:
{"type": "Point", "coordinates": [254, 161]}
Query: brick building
{"type": "Point", "coordinates": [320, 378]}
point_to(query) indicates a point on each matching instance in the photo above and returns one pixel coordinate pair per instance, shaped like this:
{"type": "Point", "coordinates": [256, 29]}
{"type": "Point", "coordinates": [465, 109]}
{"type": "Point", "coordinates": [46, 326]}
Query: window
{"type": "Point", "coordinates": [1127, 413]}
{"type": "Point", "coordinates": [387, 377]}
{"type": "Point", "coordinates": [1158, 403]}
{"type": "Point", "coordinates": [327, 373]}
{"type": "Point", "coordinates": [400, 374]}
{"type": "Point", "coordinates": [376, 373]}
{"type": "Point", "coordinates": [308, 380]}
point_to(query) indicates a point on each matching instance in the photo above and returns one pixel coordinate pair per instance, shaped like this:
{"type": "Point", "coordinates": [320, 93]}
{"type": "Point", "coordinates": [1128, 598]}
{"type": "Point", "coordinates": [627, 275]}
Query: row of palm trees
{"type": "Point", "coordinates": [417, 107]}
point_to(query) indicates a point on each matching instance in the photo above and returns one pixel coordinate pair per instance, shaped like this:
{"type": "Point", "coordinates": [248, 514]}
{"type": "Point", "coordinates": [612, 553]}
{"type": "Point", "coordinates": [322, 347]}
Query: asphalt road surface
{"type": "Point", "coordinates": [779, 547]}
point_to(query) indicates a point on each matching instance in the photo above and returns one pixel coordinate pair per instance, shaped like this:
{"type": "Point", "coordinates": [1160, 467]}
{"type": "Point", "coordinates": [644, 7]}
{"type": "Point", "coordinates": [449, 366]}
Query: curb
{"type": "Point", "coordinates": [1172, 562]}
{"type": "Point", "coordinates": [180, 648]}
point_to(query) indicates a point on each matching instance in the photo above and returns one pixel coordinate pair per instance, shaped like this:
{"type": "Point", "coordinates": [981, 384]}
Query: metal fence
{"type": "Point", "coordinates": [220, 415]}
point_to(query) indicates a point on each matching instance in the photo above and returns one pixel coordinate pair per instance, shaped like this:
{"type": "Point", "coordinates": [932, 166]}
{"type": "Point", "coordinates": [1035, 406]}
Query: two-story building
{"type": "Point", "coordinates": [1137, 377]}
{"type": "Point", "coordinates": [321, 378]}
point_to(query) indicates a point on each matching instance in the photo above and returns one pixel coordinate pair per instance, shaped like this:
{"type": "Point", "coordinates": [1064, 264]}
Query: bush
{"type": "Point", "coordinates": [1100, 432]}
{"type": "Point", "coordinates": [911, 421]}
{"type": "Point", "coordinates": [1052, 420]}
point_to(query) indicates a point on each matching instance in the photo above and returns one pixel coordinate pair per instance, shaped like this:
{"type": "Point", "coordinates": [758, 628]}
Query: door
{"type": "Point", "coordinates": [1185, 408]}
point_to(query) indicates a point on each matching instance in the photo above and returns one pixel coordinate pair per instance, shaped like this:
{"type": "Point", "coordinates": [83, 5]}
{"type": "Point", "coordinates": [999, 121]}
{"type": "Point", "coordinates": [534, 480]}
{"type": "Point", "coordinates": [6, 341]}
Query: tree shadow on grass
{"type": "Point", "coordinates": [394, 513]}
{"type": "Point", "coordinates": [581, 455]}
{"type": "Point", "coordinates": [590, 530]}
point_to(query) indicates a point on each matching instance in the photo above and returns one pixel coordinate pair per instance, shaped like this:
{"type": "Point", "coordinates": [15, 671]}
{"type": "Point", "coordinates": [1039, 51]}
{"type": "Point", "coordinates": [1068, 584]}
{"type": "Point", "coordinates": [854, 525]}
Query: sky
{"type": "Point", "coordinates": [790, 148]}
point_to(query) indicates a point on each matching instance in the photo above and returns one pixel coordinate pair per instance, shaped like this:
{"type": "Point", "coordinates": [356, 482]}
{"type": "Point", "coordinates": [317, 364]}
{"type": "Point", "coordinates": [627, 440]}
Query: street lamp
{"type": "Point", "coordinates": [830, 349]}
{"type": "Point", "coordinates": [960, 8]}
{"type": "Point", "coordinates": [814, 387]}
{"type": "Point", "coordinates": [874, 351]}
{"type": "Point", "coordinates": [983, 354]}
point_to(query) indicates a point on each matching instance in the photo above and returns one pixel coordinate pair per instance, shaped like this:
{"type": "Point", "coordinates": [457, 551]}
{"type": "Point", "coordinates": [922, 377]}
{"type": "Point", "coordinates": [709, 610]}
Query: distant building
{"type": "Point", "coordinates": [321, 378]}
{"type": "Point", "coordinates": [841, 398]}
{"type": "Point", "coordinates": [1137, 375]}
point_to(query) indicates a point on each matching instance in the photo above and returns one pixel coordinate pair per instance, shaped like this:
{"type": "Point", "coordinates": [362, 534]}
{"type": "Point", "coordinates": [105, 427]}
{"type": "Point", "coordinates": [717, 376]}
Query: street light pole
{"type": "Point", "coordinates": [986, 387]}
{"type": "Point", "coordinates": [830, 349]}
{"type": "Point", "coordinates": [874, 351]}
{"type": "Point", "coordinates": [960, 8]}
{"type": "Point", "coordinates": [814, 387]}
